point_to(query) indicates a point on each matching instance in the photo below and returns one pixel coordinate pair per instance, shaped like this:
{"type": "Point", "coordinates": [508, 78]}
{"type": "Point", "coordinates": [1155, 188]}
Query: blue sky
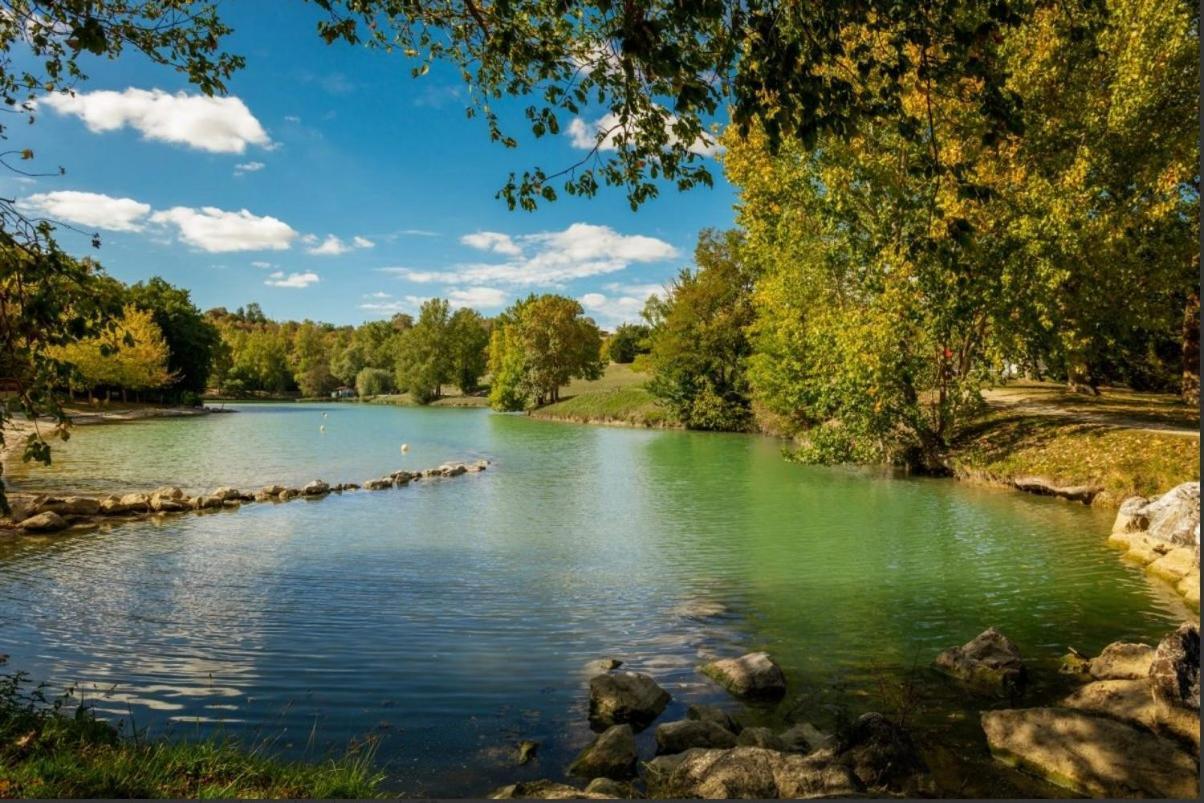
{"type": "Point", "coordinates": [238, 200]}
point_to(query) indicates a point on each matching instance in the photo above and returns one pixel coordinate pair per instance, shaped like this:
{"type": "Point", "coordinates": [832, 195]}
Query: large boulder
{"type": "Point", "coordinates": [713, 713]}
{"type": "Point", "coordinates": [748, 772]}
{"type": "Point", "coordinates": [1091, 754]}
{"type": "Point", "coordinates": [625, 697]}
{"type": "Point", "coordinates": [989, 662]}
{"type": "Point", "coordinates": [611, 755]}
{"type": "Point", "coordinates": [804, 737]}
{"type": "Point", "coordinates": [71, 505]}
{"type": "Point", "coordinates": [1133, 701]}
{"type": "Point", "coordinates": [1122, 660]}
{"type": "Point", "coordinates": [612, 789]}
{"type": "Point", "coordinates": [677, 737]}
{"type": "Point", "coordinates": [169, 500]}
{"type": "Point", "coordinates": [1176, 564]}
{"type": "Point", "coordinates": [45, 522]}
{"type": "Point", "coordinates": [1175, 670]}
{"type": "Point", "coordinates": [128, 503]}
{"type": "Point", "coordinates": [1131, 517]}
{"type": "Point", "coordinates": [1175, 515]}
{"type": "Point", "coordinates": [753, 675]}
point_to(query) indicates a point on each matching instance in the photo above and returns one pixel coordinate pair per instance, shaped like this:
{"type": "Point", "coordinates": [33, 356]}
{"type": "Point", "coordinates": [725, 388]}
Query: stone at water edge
{"type": "Point", "coordinates": [1175, 515]}
{"type": "Point", "coordinates": [1133, 701]}
{"type": "Point", "coordinates": [610, 788]}
{"type": "Point", "coordinates": [1090, 754]}
{"type": "Point", "coordinates": [881, 754]}
{"type": "Point", "coordinates": [47, 522]}
{"type": "Point", "coordinates": [752, 675]}
{"type": "Point", "coordinates": [988, 662]}
{"type": "Point", "coordinates": [1176, 564]}
{"type": "Point", "coordinates": [804, 737]}
{"type": "Point", "coordinates": [1130, 518]}
{"type": "Point", "coordinates": [378, 484]}
{"type": "Point", "coordinates": [316, 488]}
{"type": "Point", "coordinates": [601, 665]}
{"type": "Point", "coordinates": [1175, 670]}
{"type": "Point", "coordinates": [760, 737]}
{"type": "Point", "coordinates": [748, 772]}
{"type": "Point", "coordinates": [677, 737]}
{"type": "Point", "coordinates": [611, 755]}
{"type": "Point", "coordinates": [543, 790]}
{"type": "Point", "coordinates": [1122, 660]}
{"type": "Point", "coordinates": [625, 697]}
{"type": "Point", "coordinates": [713, 713]}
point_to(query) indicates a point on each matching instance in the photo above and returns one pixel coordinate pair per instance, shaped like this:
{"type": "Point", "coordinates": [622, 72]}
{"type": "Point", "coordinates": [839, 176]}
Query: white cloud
{"type": "Point", "coordinates": [259, 263]}
{"type": "Point", "coordinates": [612, 311]}
{"type": "Point", "coordinates": [586, 135]}
{"type": "Point", "coordinates": [480, 297]}
{"type": "Point", "coordinates": [214, 124]}
{"type": "Point", "coordinates": [215, 230]}
{"type": "Point", "coordinates": [278, 279]}
{"type": "Point", "coordinates": [552, 258]}
{"type": "Point", "coordinates": [407, 304]}
{"type": "Point", "coordinates": [492, 241]}
{"type": "Point", "coordinates": [378, 294]}
{"type": "Point", "coordinates": [248, 167]}
{"type": "Point", "coordinates": [291, 118]}
{"type": "Point", "coordinates": [333, 246]}
{"type": "Point", "coordinates": [90, 209]}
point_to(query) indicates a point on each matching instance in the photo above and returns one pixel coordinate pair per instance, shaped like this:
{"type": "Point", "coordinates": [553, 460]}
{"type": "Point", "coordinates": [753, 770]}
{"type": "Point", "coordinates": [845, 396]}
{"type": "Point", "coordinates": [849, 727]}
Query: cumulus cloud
{"type": "Point", "coordinates": [585, 135]}
{"type": "Point", "coordinates": [479, 297]}
{"type": "Point", "coordinates": [493, 241]}
{"type": "Point", "coordinates": [407, 304]}
{"type": "Point", "coordinates": [333, 246]}
{"type": "Point", "coordinates": [259, 263]}
{"type": "Point", "coordinates": [610, 310]}
{"type": "Point", "coordinates": [215, 230]}
{"type": "Point", "coordinates": [89, 209]}
{"type": "Point", "coordinates": [299, 280]}
{"type": "Point", "coordinates": [552, 258]}
{"type": "Point", "coordinates": [248, 167]}
{"type": "Point", "coordinates": [214, 124]}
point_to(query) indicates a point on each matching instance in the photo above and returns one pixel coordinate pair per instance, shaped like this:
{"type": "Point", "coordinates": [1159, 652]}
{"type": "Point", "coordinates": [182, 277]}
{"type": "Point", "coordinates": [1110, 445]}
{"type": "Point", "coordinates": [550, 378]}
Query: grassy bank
{"type": "Point", "coordinates": [459, 400]}
{"type": "Point", "coordinates": [617, 398]}
{"type": "Point", "coordinates": [55, 749]}
{"type": "Point", "coordinates": [1123, 441]}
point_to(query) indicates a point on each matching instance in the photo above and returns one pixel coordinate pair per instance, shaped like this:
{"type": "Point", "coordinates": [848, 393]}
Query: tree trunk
{"type": "Point", "coordinates": [1191, 350]}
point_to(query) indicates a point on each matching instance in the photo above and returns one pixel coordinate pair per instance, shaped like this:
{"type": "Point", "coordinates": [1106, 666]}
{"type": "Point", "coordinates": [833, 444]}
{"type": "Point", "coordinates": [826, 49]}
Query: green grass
{"type": "Point", "coordinates": [56, 749]}
{"type": "Point", "coordinates": [618, 397]}
{"type": "Point", "coordinates": [479, 399]}
{"type": "Point", "coordinates": [1123, 460]}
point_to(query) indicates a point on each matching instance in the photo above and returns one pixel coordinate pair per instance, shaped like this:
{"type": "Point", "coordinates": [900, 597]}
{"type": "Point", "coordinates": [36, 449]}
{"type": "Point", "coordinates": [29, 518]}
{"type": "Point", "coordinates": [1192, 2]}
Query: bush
{"type": "Point", "coordinates": [629, 341]}
{"type": "Point", "coordinates": [373, 382]}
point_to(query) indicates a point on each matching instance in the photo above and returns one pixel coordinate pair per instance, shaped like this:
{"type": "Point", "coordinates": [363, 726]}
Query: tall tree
{"type": "Point", "coordinates": [191, 339]}
{"type": "Point", "coordinates": [537, 346]}
{"type": "Point", "coordinates": [424, 359]}
{"type": "Point", "coordinates": [469, 336]}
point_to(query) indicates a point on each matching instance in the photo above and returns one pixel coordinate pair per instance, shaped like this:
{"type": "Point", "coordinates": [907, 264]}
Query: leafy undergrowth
{"type": "Point", "coordinates": [633, 406]}
{"type": "Point", "coordinates": [57, 749]}
{"type": "Point", "coordinates": [1123, 461]}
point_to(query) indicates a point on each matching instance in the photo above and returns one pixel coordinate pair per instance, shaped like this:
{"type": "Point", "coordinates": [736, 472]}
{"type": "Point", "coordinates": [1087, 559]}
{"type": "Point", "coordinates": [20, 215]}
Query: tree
{"type": "Point", "coordinates": [424, 359]}
{"type": "Point", "coordinates": [191, 339]}
{"type": "Point", "coordinates": [700, 346]}
{"type": "Point", "coordinates": [469, 336]}
{"type": "Point", "coordinates": [132, 356]}
{"type": "Point", "coordinates": [537, 346]}
{"type": "Point", "coordinates": [310, 360]}
{"type": "Point", "coordinates": [628, 341]}
{"type": "Point", "coordinates": [373, 382]}
{"type": "Point", "coordinates": [661, 71]}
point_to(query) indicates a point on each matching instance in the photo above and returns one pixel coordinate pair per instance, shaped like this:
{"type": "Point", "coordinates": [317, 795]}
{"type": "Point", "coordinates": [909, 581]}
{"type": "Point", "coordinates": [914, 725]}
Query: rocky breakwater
{"type": "Point", "coordinates": [710, 754]}
{"type": "Point", "coordinates": [44, 514]}
{"type": "Point", "coordinates": [1131, 730]}
{"type": "Point", "coordinates": [1163, 535]}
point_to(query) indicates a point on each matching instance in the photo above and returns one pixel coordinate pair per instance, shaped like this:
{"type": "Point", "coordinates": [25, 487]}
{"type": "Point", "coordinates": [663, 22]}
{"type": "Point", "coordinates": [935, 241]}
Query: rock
{"type": "Point", "coordinates": [612, 789]}
{"type": "Point", "coordinates": [1075, 663]}
{"type": "Point", "coordinates": [1175, 670]}
{"type": "Point", "coordinates": [70, 506]}
{"type": "Point", "coordinates": [1145, 549]}
{"type": "Point", "coordinates": [272, 490]}
{"type": "Point", "coordinates": [205, 502]}
{"type": "Point", "coordinates": [748, 772]}
{"type": "Point", "coordinates": [1174, 516]}
{"type": "Point", "coordinates": [542, 790]}
{"type": "Point", "coordinates": [713, 713]}
{"type": "Point", "coordinates": [700, 608]}
{"type": "Point", "coordinates": [480, 465]}
{"type": "Point", "coordinates": [1122, 661]}
{"type": "Point", "coordinates": [751, 675]}
{"type": "Point", "coordinates": [527, 750]}
{"type": "Point", "coordinates": [226, 493]}
{"type": "Point", "coordinates": [1189, 587]}
{"type": "Point", "coordinates": [379, 484]}
{"type": "Point", "coordinates": [169, 492]}
{"type": "Point", "coordinates": [760, 737]}
{"type": "Point", "coordinates": [169, 502]}
{"type": "Point", "coordinates": [316, 488]}
{"type": "Point", "coordinates": [880, 753]}
{"type": "Point", "coordinates": [1176, 564]}
{"type": "Point", "coordinates": [1040, 485]}
{"type": "Point", "coordinates": [453, 470]}
{"type": "Point", "coordinates": [351, 486]}
{"type": "Point", "coordinates": [989, 662]}
{"type": "Point", "coordinates": [288, 493]}
{"type": "Point", "coordinates": [602, 665]}
{"type": "Point", "coordinates": [611, 755]}
{"type": "Point", "coordinates": [804, 737]}
{"type": "Point", "coordinates": [621, 697]}
{"type": "Point", "coordinates": [1090, 754]}
{"type": "Point", "coordinates": [677, 737]}
{"type": "Point", "coordinates": [111, 505]}
{"type": "Point", "coordinates": [1130, 518]}
{"type": "Point", "coordinates": [46, 522]}
{"type": "Point", "coordinates": [1133, 701]}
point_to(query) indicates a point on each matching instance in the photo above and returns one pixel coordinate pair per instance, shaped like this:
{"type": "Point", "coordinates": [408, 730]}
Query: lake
{"type": "Point", "coordinates": [450, 619]}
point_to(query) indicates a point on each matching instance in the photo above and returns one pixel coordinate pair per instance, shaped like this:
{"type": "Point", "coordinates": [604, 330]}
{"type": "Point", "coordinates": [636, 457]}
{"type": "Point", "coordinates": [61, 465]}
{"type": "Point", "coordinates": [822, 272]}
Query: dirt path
{"type": "Point", "coordinates": [1114, 407]}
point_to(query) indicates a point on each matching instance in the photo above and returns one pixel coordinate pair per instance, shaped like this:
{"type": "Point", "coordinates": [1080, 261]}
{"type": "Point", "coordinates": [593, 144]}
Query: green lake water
{"type": "Point", "coordinates": [450, 619]}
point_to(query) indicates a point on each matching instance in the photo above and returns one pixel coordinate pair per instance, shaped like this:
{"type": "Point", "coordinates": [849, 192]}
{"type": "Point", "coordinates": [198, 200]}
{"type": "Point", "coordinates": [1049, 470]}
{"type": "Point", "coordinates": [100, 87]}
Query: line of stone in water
{"type": "Point", "coordinates": [43, 514]}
